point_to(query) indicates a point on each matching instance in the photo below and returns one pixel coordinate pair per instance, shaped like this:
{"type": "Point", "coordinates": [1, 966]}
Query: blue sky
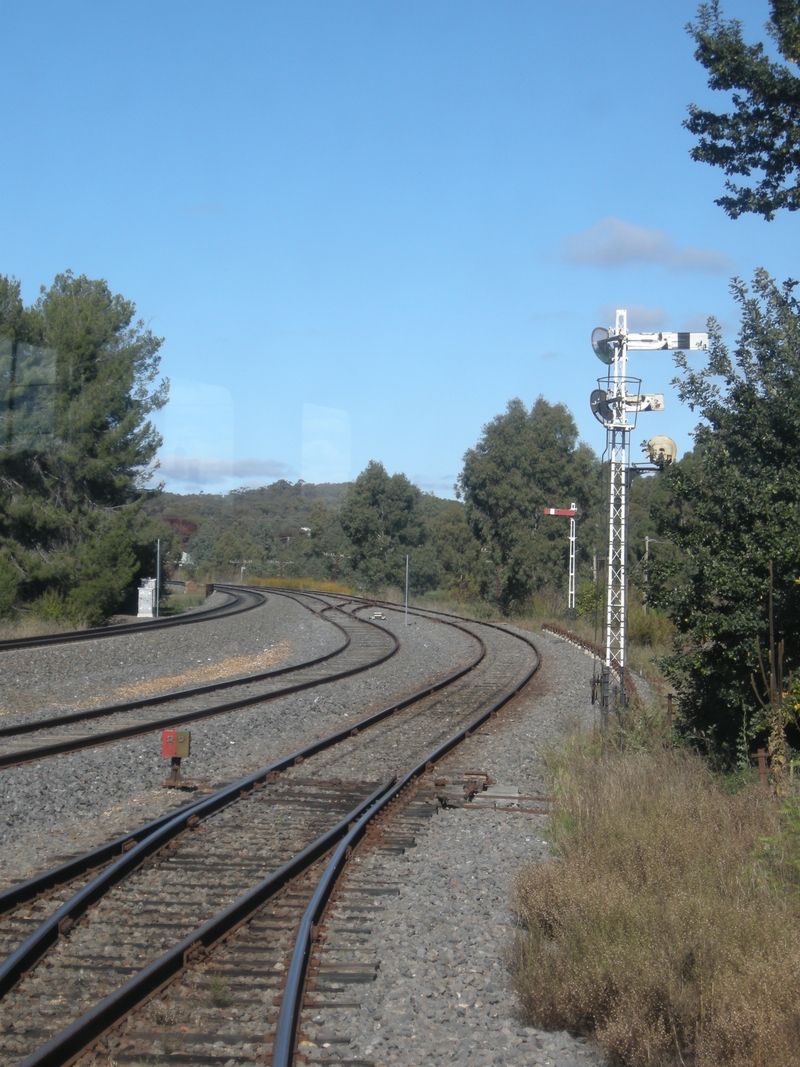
{"type": "Point", "coordinates": [362, 227]}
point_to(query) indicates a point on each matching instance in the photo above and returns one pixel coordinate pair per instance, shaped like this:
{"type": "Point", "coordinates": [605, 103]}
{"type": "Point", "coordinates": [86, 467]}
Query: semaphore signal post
{"type": "Point", "coordinates": [616, 403]}
{"type": "Point", "coordinates": [570, 513]}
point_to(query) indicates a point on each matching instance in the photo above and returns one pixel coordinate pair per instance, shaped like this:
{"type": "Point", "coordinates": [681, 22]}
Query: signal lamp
{"type": "Point", "coordinates": [602, 345]}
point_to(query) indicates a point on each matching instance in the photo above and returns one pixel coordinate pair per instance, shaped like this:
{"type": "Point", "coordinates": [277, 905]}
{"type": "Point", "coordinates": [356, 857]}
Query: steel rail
{"type": "Point", "coordinates": [65, 1046]}
{"type": "Point", "coordinates": [155, 835]}
{"type": "Point", "coordinates": [87, 714]}
{"type": "Point", "coordinates": [96, 632]}
{"type": "Point", "coordinates": [78, 743]}
{"type": "Point", "coordinates": [72, 1040]}
{"type": "Point", "coordinates": [285, 1035]}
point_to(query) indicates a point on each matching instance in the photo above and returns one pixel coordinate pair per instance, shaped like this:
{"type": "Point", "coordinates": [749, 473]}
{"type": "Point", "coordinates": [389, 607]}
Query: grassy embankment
{"type": "Point", "coordinates": [667, 923]}
{"type": "Point", "coordinates": [174, 603]}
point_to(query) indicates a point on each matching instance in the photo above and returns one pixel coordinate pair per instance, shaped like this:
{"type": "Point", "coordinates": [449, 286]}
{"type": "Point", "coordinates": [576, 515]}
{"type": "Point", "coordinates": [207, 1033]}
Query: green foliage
{"type": "Point", "coordinates": [524, 462]}
{"type": "Point", "coordinates": [762, 133]}
{"type": "Point", "coordinates": [51, 606]}
{"type": "Point", "coordinates": [106, 568]}
{"type": "Point", "coordinates": [382, 518]}
{"type": "Point", "coordinates": [9, 581]}
{"type": "Point", "coordinates": [734, 508]}
{"type": "Point", "coordinates": [219, 991]}
{"type": "Point", "coordinates": [68, 495]}
{"type": "Point", "coordinates": [650, 629]}
{"type": "Point", "coordinates": [589, 599]}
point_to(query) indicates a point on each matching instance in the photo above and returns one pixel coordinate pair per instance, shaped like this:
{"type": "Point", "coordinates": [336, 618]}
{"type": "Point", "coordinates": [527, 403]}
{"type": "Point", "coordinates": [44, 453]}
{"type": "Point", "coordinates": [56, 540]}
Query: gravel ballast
{"type": "Point", "coordinates": [90, 673]}
{"type": "Point", "coordinates": [442, 989]}
{"type": "Point", "coordinates": [68, 804]}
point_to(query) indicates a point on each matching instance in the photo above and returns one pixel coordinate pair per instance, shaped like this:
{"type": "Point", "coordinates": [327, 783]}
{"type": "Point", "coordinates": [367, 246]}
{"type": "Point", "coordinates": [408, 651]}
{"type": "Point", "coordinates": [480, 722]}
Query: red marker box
{"type": "Point", "coordinates": [176, 743]}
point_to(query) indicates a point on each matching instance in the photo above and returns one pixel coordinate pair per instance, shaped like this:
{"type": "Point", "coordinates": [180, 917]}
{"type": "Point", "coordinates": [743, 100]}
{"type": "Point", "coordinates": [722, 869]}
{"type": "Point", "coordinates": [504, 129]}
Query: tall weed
{"type": "Point", "coordinates": [668, 924]}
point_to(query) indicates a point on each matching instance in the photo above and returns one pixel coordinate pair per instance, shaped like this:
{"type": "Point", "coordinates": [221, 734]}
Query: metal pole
{"type": "Point", "coordinates": [158, 573]}
{"type": "Point", "coordinates": [618, 441]}
{"type": "Point", "coordinates": [406, 590]}
{"type": "Point", "coordinates": [573, 542]}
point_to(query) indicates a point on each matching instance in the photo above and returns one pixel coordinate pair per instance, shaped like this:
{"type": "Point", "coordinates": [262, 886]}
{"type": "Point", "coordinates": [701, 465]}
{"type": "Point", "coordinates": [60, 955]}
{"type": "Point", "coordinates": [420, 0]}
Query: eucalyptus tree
{"type": "Point", "coordinates": [526, 461]}
{"type": "Point", "coordinates": [382, 519]}
{"type": "Point", "coordinates": [762, 131]}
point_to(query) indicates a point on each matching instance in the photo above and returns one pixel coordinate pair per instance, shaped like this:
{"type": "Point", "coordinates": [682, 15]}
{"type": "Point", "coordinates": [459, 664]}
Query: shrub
{"type": "Point", "coordinates": [219, 992]}
{"type": "Point", "coordinates": [107, 567]}
{"type": "Point", "coordinates": [668, 923]}
{"type": "Point", "coordinates": [650, 629]}
{"type": "Point", "coordinates": [51, 605]}
{"type": "Point", "coordinates": [9, 580]}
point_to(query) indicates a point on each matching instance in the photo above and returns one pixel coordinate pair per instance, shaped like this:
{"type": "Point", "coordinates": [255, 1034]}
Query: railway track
{"type": "Point", "coordinates": [364, 645]}
{"type": "Point", "coordinates": [240, 599]}
{"type": "Point", "coordinates": [235, 866]}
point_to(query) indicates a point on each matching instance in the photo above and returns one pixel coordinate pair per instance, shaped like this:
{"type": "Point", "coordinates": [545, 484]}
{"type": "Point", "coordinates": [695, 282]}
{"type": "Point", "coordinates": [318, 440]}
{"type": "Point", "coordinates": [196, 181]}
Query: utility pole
{"type": "Point", "coordinates": [616, 404]}
{"type": "Point", "coordinates": [406, 590]}
{"type": "Point", "coordinates": [336, 557]}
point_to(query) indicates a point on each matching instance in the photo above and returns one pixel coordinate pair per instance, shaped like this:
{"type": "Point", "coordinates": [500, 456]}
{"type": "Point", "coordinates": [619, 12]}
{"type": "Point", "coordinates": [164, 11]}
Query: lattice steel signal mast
{"type": "Point", "coordinates": [616, 404]}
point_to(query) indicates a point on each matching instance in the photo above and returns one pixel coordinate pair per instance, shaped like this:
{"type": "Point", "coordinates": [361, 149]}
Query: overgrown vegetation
{"type": "Point", "coordinates": [732, 513]}
{"type": "Point", "coordinates": [668, 924]}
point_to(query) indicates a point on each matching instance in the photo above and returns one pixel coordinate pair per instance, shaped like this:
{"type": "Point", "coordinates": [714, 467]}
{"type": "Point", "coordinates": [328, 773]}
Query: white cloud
{"type": "Point", "coordinates": [698, 323]}
{"type": "Point", "coordinates": [639, 317]}
{"type": "Point", "coordinates": [209, 470]}
{"type": "Point", "coordinates": [613, 242]}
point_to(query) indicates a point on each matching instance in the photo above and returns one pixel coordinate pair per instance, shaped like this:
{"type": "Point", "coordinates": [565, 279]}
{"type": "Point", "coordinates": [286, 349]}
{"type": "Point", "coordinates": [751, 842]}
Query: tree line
{"type": "Point", "coordinates": [77, 527]}
{"type": "Point", "coordinates": [491, 545]}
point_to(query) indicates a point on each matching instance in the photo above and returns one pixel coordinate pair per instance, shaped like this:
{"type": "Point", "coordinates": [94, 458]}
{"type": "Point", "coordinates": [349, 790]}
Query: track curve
{"type": "Point", "coordinates": [365, 645]}
{"type": "Point", "coordinates": [241, 599]}
{"type": "Point", "coordinates": [429, 724]}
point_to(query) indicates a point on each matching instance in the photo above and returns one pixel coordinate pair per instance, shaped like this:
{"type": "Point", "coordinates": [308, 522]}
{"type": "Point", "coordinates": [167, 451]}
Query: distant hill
{"type": "Point", "coordinates": [280, 504]}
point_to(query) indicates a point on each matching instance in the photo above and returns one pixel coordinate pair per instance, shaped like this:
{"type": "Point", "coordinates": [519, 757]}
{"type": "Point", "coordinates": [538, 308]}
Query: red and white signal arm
{"type": "Point", "coordinates": [568, 512]}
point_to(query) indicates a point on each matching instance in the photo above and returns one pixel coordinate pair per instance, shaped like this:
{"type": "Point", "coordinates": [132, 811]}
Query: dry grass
{"type": "Point", "coordinates": [668, 924]}
{"type": "Point", "coordinates": [230, 667]}
{"type": "Point", "coordinates": [178, 603]}
{"type": "Point", "coordinates": [29, 625]}
{"type": "Point", "coordinates": [302, 583]}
